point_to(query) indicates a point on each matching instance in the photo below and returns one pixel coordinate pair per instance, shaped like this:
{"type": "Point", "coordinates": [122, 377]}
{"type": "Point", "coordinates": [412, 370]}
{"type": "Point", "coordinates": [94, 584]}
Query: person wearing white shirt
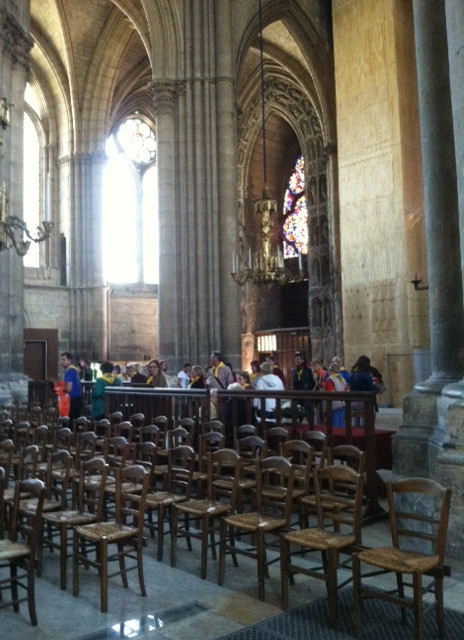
{"type": "Point", "coordinates": [183, 377]}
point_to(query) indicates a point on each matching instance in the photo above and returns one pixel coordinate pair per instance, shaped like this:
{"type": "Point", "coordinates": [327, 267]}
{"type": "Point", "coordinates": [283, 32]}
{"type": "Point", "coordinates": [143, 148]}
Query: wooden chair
{"type": "Point", "coordinates": [275, 437]}
{"type": "Point", "coordinates": [19, 550]}
{"type": "Point", "coordinates": [90, 502]}
{"type": "Point", "coordinates": [180, 435]}
{"type": "Point", "coordinates": [418, 511]}
{"type": "Point", "coordinates": [301, 455]}
{"type": "Point", "coordinates": [272, 516]}
{"type": "Point", "coordinates": [178, 487]}
{"type": "Point", "coordinates": [318, 441]}
{"type": "Point", "coordinates": [224, 473]}
{"type": "Point", "coordinates": [243, 431]}
{"type": "Point", "coordinates": [339, 501]}
{"type": "Point", "coordinates": [343, 454]}
{"type": "Point", "coordinates": [6, 457]}
{"type": "Point", "coordinates": [126, 532]}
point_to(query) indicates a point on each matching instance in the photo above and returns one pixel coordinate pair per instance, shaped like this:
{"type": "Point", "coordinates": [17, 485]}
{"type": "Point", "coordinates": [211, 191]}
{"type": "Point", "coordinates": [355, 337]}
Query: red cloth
{"type": "Point", "coordinates": [383, 451]}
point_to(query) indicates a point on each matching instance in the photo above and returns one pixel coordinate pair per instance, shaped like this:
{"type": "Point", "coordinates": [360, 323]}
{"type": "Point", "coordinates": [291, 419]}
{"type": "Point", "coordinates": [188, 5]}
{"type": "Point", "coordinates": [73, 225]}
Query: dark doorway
{"type": "Point", "coordinates": [41, 354]}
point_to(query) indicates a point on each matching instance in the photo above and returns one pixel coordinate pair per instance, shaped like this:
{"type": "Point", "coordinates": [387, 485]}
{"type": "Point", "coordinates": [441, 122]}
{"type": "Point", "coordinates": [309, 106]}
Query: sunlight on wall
{"type": "Point", "coordinates": [31, 188]}
{"type": "Point", "coordinates": [119, 222]}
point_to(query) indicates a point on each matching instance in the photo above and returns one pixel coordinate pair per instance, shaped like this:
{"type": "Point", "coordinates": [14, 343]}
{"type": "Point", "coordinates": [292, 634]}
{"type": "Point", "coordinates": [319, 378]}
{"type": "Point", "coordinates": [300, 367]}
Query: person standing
{"type": "Point", "coordinates": [221, 375]}
{"type": "Point", "coordinates": [337, 382]}
{"type": "Point", "coordinates": [268, 381]}
{"type": "Point", "coordinates": [302, 375]}
{"type": "Point", "coordinates": [73, 385]}
{"type": "Point", "coordinates": [276, 370]}
{"type": "Point", "coordinates": [156, 377]}
{"type": "Point", "coordinates": [183, 377]}
{"type": "Point", "coordinates": [85, 370]}
{"type": "Point", "coordinates": [98, 392]}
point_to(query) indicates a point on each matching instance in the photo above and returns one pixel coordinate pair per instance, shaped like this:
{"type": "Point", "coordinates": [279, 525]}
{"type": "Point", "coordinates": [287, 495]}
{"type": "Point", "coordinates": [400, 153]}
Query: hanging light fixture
{"type": "Point", "coordinates": [266, 265]}
{"type": "Point", "coordinates": [13, 229]}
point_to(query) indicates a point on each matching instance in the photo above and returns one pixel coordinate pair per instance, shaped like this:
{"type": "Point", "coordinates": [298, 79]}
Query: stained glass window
{"type": "Point", "coordinates": [295, 225]}
{"type": "Point", "coordinates": [130, 213]}
{"type": "Point", "coordinates": [138, 140]}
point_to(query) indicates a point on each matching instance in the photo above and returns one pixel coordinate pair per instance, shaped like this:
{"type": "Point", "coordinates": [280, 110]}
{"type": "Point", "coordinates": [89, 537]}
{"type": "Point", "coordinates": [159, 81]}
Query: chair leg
{"type": "Point", "coordinates": [122, 564]}
{"type": "Point", "coordinates": [284, 559]}
{"type": "Point", "coordinates": [103, 575]}
{"type": "Point", "coordinates": [75, 564]}
{"type": "Point", "coordinates": [174, 523]}
{"type": "Point", "coordinates": [14, 585]}
{"type": "Point", "coordinates": [140, 568]}
{"type": "Point", "coordinates": [400, 587]}
{"type": "Point", "coordinates": [332, 558]}
{"type": "Point", "coordinates": [357, 596]}
{"type": "Point", "coordinates": [204, 546]}
{"type": "Point", "coordinates": [417, 589]}
{"type": "Point", "coordinates": [160, 532]}
{"type": "Point", "coordinates": [261, 562]}
{"type": "Point", "coordinates": [439, 606]}
{"type": "Point", "coordinates": [31, 592]}
{"type": "Point", "coordinates": [222, 551]}
{"type": "Point", "coordinates": [63, 554]}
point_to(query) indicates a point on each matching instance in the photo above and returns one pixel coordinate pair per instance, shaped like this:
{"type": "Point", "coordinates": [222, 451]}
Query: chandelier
{"type": "Point", "coordinates": [13, 230]}
{"type": "Point", "coordinates": [266, 265]}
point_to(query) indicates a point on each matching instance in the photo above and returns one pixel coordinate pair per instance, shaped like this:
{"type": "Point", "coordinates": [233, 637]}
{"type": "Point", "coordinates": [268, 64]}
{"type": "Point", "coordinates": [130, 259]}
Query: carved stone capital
{"type": "Point", "coordinates": [164, 95]}
{"type": "Point", "coordinates": [16, 41]}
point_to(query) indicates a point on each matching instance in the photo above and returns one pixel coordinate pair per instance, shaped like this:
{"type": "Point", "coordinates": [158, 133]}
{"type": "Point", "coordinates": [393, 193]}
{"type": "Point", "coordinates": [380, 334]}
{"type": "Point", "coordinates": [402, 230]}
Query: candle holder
{"type": "Point", "coordinates": [13, 229]}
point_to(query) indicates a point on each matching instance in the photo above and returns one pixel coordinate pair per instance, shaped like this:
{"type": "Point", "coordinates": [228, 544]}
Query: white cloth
{"type": "Point", "coordinates": [184, 379]}
{"type": "Point", "coordinates": [268, 382]}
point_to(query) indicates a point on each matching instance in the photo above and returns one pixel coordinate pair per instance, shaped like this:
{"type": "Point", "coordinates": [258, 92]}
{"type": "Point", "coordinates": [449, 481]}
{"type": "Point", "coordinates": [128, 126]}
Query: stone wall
{"type": "Point", "coordinates": [381, 202]}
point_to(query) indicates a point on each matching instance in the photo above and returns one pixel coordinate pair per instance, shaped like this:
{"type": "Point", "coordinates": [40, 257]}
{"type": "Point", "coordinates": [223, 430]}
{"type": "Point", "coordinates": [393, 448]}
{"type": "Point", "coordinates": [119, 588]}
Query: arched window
{"type": "Point", "coordinates": [295, 225]}
{"type": "Point", "coordinates": [31, 187]}
{"type": "Point", "coordinates": [130, 209]}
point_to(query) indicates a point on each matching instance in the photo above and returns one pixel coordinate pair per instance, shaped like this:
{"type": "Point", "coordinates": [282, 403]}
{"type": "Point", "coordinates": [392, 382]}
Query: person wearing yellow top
{"type": "Point", "coordinates": [156, 377]}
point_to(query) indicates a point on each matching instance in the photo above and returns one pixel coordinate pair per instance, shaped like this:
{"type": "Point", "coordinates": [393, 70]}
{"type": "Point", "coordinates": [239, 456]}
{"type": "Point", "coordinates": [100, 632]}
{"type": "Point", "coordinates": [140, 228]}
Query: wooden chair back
{"type": "Point", "coordinates": [419, 511]}
{"type": "Point", "coordinates": [339, 492]}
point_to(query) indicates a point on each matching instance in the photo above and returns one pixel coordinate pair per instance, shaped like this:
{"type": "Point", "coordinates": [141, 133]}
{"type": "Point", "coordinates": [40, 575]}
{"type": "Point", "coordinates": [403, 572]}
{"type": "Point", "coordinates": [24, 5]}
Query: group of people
{"type": "Point", "coordinates": [267, 376]}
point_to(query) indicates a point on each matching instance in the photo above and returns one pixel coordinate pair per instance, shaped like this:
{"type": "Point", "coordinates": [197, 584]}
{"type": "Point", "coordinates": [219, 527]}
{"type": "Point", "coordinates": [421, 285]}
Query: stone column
{"type": "Point", "coordinates": [455, 26]}
{"type": "Point", "coordinates": [15, 45]}
{"type": "Point", "coordinates": [88, 335]}
{"type": "Point", "coordinates": [446, 316]}
{"type": "Point", "coordinates": [230, 321]}
{"type": "Point", "coordinates": [164, 100]}
{"type": "Point", "coordinates": [196, 142]}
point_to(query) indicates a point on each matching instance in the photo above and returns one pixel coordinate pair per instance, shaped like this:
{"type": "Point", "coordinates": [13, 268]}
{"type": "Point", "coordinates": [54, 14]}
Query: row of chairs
{"type": "Point", "coordinates": [337, 492]}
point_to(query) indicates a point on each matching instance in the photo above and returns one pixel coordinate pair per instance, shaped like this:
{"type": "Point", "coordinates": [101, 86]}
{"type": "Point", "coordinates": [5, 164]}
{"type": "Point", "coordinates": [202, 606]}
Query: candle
{"type": "Point", "coordinates": [300, 264]}
{"type": "Point", "coordinates": [249, 257]}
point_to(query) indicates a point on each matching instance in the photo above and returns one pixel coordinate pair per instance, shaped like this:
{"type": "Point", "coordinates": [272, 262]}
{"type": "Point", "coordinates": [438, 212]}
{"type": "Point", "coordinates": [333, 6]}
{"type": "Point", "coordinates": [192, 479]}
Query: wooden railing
{"type": "Point", "coordinates": [237, 408]}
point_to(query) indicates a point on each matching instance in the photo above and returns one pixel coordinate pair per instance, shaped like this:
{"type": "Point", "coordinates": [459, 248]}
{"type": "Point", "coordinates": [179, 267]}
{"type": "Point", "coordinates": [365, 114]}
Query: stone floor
{"type": "Point", "coordinates": [178, 604]}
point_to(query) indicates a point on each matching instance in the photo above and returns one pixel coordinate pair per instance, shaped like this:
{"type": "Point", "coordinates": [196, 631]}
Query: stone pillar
{"type": "Point", "coordinates": [164, 102]}
{"type": "Point", "coordinates": [455, 27]}
{"type": "Point", "coordinates": [431, 439]}
{"type": "Point", "coordinates": [89, 334]}
{"type": "Point", "coordinates": [15, 45]}
{"type": "Point", "coordinates": [227, 202]}
{"type": "Point", "coordinates": [446, 318]}
{"type": "Point", "coordinates": [198, 300]}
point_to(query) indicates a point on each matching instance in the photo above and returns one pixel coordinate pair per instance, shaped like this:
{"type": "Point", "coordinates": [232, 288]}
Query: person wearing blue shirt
{"type": "Point", "coordinates": [73, 385]}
